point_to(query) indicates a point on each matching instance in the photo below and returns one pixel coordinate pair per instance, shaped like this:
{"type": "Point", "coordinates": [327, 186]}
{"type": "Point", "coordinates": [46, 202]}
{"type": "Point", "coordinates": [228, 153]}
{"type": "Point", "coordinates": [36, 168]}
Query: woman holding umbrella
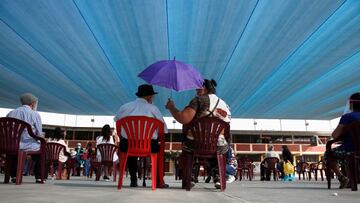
{"type": "Point", "coordinates": [205, 103]}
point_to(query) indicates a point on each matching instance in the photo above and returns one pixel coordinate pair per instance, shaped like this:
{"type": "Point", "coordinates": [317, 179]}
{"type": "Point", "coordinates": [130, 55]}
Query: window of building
{"type": "Point", "coordinates": [243, 138]}
{"type": "Point", "coordinates": [176, 137]}
{"type": "Point", "coordinates": [83, 135]}
{"type": "Point", "coordinates": [69, 135]}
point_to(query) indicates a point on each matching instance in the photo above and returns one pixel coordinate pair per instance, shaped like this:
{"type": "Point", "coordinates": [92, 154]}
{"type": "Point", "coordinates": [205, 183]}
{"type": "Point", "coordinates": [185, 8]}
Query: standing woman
{"type": "Point", "coordinates": [286, 154]}
{"type": "Point", "coordinates": [287, 169]}
{"type": "Point", "coordinates": [106, 137]}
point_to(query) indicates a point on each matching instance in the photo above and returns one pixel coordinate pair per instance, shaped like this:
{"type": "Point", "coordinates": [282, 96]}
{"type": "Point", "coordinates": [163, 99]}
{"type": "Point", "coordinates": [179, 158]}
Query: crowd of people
{"type": "Point", "coordinates": [205, 104]}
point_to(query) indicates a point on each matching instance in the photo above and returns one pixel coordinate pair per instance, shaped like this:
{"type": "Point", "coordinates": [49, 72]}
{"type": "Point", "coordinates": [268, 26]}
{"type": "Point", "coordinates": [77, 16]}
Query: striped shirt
{"type": "Point", "coordinates": [25, 113]}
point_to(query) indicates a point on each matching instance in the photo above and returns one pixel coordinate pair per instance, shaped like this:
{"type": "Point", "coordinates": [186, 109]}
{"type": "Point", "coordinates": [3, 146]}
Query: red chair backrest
{"type": "Point", "coordinates": [206, 131]}
{"type": "Point", "coordinates": [139, 130]}
{"type": "Point", "coordinates": [271, 162]}
{"type": "Point", "coordinates": [53, 150]}
{"type": "Point", "coordinates": [107, 151]}
{"type": "Point", "coordinates": [354, 130]}
{"type": "Point", "coordinates": [245, 163]}
{"type": "Point", "coordinates": [10, 134]}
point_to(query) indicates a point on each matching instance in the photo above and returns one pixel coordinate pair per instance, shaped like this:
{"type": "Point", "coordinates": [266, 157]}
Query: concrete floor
{"type": "Point", "coordinates": [81, 189]}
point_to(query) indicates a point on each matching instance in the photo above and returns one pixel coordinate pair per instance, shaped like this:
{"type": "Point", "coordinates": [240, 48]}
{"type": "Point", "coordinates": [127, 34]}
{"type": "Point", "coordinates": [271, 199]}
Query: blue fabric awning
{"type": "Point", "coordinates": [271, 59]}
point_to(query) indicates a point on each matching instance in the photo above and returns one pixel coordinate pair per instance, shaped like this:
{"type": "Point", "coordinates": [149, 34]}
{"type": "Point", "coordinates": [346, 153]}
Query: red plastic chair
{"type": "Point", "coordinates": [139, 130]}
{"type": "Point", "coordinates": [303, 168]}
{"type": "Point", "coordinates": [10, 136]}
{"type": "Point", "coordinates": [271, 167]}
{"type": "Point", "coordinates": [205, 131]}
{"type": "Point", "coordinates": [52, 156]}
{"type": "Point", "coordinates": [107, 158]}
{"type": "Point", "coordinates": [245, 166]}
{"type": "Point", "coordinates": [94, 165]}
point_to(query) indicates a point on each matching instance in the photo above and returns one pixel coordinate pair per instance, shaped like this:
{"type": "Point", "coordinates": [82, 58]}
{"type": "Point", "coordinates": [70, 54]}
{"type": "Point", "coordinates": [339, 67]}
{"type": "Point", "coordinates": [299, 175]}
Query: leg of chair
{"type": "Point", "coordinates": [183, 166]}
{"type": "Point", "coordinates": [9, 165]}
{"type": "Point", "coordinates": [316, 174]}
{"type": "Point", "coordinates": [222, 167]}
{"type": "Point", "coordinates": [309, 175]}
{"type": "Point", "coordinates": [352, 172]}
{"type": "Point", "coordinates": [328, 176]}
{"type": "Point", "coordinates": [122, 166]}
{"type": "Point", "coordinates": [99, 171]}
{"type": "Point", "coordinates": [20, 161]}
{"type": "Point", "coordinates": [160, 160]}
{"type": "Point", "coordinates": [153, 170]}
{"type": "Point", "coordinates": [114, 170]}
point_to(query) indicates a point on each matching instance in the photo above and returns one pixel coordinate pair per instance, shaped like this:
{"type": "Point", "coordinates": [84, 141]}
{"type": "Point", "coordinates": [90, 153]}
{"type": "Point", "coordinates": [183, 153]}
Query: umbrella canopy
{"type": "Point", "coordinates": [172, 74]}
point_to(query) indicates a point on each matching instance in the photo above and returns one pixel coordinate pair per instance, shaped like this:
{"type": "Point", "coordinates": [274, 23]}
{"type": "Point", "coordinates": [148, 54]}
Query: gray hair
{"type": "Point", "coordinates": [270, 147]}
{"type": "Point", "coordinates": [27, 99]}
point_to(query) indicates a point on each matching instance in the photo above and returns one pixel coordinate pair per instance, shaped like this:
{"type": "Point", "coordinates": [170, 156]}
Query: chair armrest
{"type": "Point", "coordinates": [41, 139]}
{"type": "Point", "coordinates": [330, 143]}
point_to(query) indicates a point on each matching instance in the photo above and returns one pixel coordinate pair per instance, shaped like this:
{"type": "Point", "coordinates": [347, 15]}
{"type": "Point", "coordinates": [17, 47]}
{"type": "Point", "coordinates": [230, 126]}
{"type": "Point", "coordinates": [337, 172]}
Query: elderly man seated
{"type": "Point", "coordinates": [27, 112]}
{"type": "Point", "coordinates": [269, 154]}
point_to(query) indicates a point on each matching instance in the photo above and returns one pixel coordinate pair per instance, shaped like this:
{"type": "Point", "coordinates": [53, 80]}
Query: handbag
{"type": "Point", "coordinates": [288, 168]}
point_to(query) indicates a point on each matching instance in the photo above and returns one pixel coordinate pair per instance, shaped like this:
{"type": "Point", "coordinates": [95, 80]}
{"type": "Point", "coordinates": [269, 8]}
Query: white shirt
{"type": "Point", "coordinates": [62, 157]}
{"type": "Point", "coordinates": [25, 113]}
{"type": "Point", "coordinates": [222, 110]}
{"type": "Point", "coordinates": [140, 107]}
{"type": "Point", "coordinates": [272, 154]}
{"type": "Point", "coordinates": [100, 140]}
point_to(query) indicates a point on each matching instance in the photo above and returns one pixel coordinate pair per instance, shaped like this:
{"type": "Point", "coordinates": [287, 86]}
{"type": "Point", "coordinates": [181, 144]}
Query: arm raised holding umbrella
{"type": "Point", "coordinates": [205, 103]}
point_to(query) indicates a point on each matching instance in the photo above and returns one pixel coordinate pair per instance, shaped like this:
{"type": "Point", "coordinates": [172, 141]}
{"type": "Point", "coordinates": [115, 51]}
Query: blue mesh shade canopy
{"type": "Point", "coordinates": [281, 59]}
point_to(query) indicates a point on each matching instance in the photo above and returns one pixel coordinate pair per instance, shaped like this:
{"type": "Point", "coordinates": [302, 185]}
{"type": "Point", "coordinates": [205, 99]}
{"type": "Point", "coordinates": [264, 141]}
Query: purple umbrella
{"type": "Point", "coordinates": [173, 75]}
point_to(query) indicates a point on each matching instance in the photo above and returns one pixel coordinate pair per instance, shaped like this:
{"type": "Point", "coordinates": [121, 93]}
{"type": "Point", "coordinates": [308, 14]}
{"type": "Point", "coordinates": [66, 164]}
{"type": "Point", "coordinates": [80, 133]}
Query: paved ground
{"type": "Point", "coordinates": [81, 189]}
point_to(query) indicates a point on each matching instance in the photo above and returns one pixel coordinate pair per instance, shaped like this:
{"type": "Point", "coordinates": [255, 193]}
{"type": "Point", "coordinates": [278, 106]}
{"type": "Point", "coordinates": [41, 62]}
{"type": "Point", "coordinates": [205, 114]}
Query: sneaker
{"type": "Point", "coordinates": [106, 178]}
{"type": "Point", "coordinates": [13, 180]}
{"type": "Point", "coordinates": [344, 181]}
{"type": "Point", "coordinates": [230, 179]}
{"type": "Point", "coordinates": [208, 179]}
{"type": "Point", "coordinates": [217, 185]}
{"type": "Point", "coordinates": [39, 181]}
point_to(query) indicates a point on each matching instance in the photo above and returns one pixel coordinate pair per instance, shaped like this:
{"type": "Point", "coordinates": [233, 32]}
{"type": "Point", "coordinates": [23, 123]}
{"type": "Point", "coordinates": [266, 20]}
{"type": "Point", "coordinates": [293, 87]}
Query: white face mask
{"type": "Point", "coordinates": [36, 105]}
{"type": "Point", "coordinates": [347, 107]}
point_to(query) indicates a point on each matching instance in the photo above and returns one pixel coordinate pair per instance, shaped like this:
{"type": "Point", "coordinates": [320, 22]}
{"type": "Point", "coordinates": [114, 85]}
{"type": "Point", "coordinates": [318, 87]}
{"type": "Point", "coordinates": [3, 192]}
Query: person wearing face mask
{"type": "Point", "coordinates": [142, 106]}
{"type": "Point", "coordinates": [339, 153]}
{"type": "Point", "coordinates": [27, 112]}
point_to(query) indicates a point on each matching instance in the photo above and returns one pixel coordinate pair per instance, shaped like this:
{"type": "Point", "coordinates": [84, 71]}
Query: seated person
{"type": "Point", "coordinates": [263, 166]}
{"type": "Point", "coordinates": [339, 153]}
{"type": "Point", "coordinates": [87, 158]}
{"type": "Point", "coordinates": [28, 113]}
{"type": "Point", "coordinates": [78, 157]}
{"type": "Point", "coordinates": [57, 137]}
{"type": "Point", "coordinates": [206, 103]}
{"type": "Point", "coordinates": [142, 106]}
{"type": "Point", "coordinates": [231, 165]}
{"type": "Point", "coordinates": [106, 137]}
